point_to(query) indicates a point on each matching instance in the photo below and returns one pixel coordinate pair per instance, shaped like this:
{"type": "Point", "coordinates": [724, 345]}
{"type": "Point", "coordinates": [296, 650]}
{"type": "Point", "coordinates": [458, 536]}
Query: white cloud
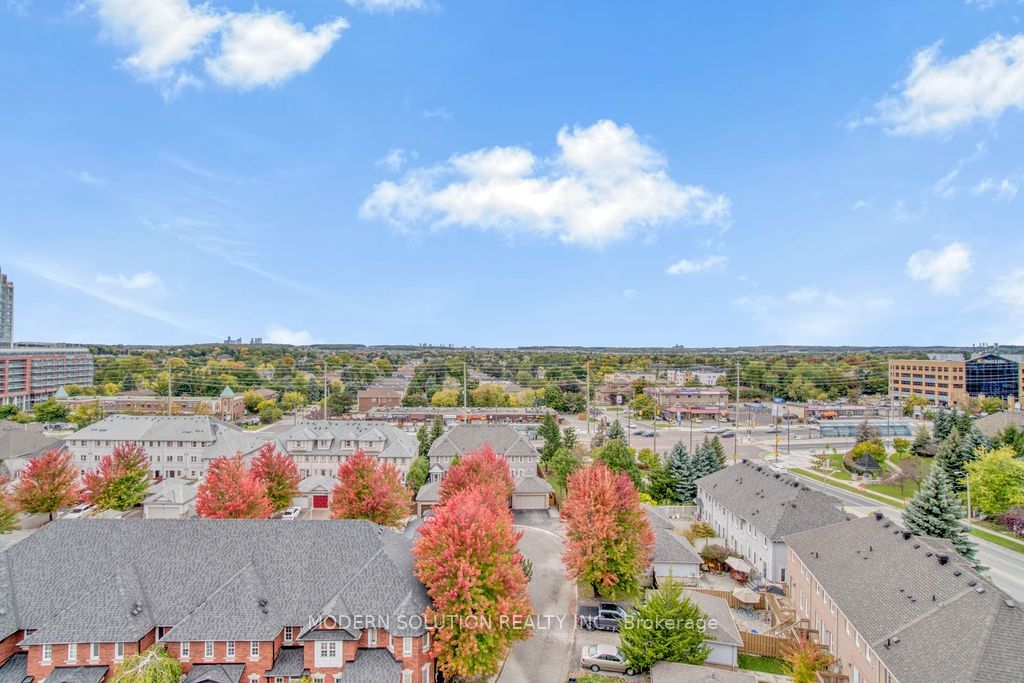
{"type": "Point", "coordinates": [602, 186]}
{"type": "Point", "coordinates": [629, 294]}
{"type": "Point", "coordinates": [1009, 291]}
{"type": "Point", "coordinates": [810, 315]}
{"type": "Point", "coordinates": [163, 33]}
{"type": "Point", "coordinates": [389, 6]}
{"type": "Point", "coordinates": [242, 50]}
{"type": "Point", "coordinates": [278, 334]}
{"type": "Point", "coordinates": [942, 269]}
{"type": "Point", "coordinates": [939, 96]}
{"type": "Point", "coordinates": [87, 178]}
{"type": "Point", "coordinates": [945, 187]}
{"type": "Point", "coordinates": [396, 158]}
{"type": "Point", "coordinates": [265, 48]}
{"type": "Point", "coordinates": [145, 281]}
{"type": "Point", "coordinates": [859, 205]}
{"type": "Point", "coordinates": [1004, 189]}
{"type": "Point", "coordinates": [437, 113]}
{"type": "Point", "coordinates": [688, 267]}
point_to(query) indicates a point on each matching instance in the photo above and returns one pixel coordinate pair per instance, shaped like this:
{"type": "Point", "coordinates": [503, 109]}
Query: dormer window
{"type": "Point", "coordinates": [323, 444]}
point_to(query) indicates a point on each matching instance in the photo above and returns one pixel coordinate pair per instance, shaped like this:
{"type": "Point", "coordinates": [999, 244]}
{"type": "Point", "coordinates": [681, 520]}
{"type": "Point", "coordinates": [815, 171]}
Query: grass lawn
{"type": "Point", "coordinates": [999, 540]}
{"type": "Point", "coordinates": [867, 493]}
{"type": "Point", "coordinates": [768, 665]}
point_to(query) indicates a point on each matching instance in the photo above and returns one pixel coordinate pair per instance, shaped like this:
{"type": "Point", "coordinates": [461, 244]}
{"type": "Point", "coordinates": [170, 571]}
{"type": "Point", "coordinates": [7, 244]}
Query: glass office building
{"type": "Point", "coordinates": [992, 375]}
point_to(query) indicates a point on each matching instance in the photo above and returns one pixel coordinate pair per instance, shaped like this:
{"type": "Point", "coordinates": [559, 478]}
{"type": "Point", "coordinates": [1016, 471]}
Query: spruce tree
{"type": "Point", "coordinates": [942, 425]}
{"type": "Point", "coordinates": [680, 469]}
{"type": "Point", "coordinates": [935, 511]}
{"type": "Point", "coordinates": [615, 431]}
{"type": "Point", "coordinates": [552, 438]}
{"type": "Point", "coordinates": [718, 450]}
{"type": "Point", "coordinates": [922, 442]}
{"type": "Point", "coordinates": [950, 457]}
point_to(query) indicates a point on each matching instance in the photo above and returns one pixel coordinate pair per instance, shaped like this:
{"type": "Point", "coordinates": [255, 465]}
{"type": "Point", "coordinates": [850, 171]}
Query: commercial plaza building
{"type": "Point", "coordinates": [29, 374]}
{"type": "Point", "coordinates": [947, 380]}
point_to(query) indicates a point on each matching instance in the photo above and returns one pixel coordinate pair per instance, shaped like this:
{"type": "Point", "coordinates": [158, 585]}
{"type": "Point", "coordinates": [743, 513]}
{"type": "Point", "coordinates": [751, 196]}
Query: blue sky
{"type": "Point", "coordinates": [513, 173]}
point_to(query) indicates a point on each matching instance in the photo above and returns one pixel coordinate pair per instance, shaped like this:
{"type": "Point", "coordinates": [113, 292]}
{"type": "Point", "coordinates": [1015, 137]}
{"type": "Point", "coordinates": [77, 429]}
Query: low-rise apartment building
{"type": "Point", "coordinates": [177, 446]}
{"type": "Point", "coordinates": [235, 601]}
{"type": "Point", "coordinates": [30, 374]}
{"type": "Point", "coordinates": [753, 507]}
{"type": "Point", "coordinates": [897, 608]}
{"type": "Point", "coordinates": [319, 447]}
{"type": "Point", "coordinates": [226, 406]}
{"type": "Point", "coordinates": [378, 397]}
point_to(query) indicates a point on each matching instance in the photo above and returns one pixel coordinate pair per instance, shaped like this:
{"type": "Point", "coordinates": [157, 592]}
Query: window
{"type": "Point", "coordinates": [289, 632]}
{"type": "Point", "coordinates": [94, 651]}
{"type": "Point", "coordinates": [406, 676]}
{"type": "Point", "coordinates": [426, 673]}
{"type": "Point", "coordinates": [72, 652]}
{"type": "Point", "coordinates": [371, 638]}
{"type": "Point", "coordinates": [426, 641]}
{"type": "Point", "coordinates": [184, 651]}
{"type": "Point", "coordinates": [328, 649]}
{"type": "Point", "coordinates": [254, 649]}
{"type": "Point", "coordinates": [208, 649]}
{"type": "Point", "coordinates": [318, 678]}
{"type": "Point", "coordinates": [229, 649]}
{"type": "Point", "coordinates": [118, 652]}
{"type": "Point", "coordinates": [47, 653]}
{"type": "Point", "coordinates": [406, 646]}
{"type": "Point", "coordinates": [328, 654]}
{"type": "Point", "coordinates": [253, 678]}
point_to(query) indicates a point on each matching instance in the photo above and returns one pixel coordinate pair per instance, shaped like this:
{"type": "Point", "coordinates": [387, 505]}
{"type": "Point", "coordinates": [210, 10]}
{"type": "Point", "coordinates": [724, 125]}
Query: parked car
{"type": "Point", "coordinates": [79, 511]}
{"type": "Point", "coordinates": [723, 419]}
{"type": "Point", "coordinates": [604, 616]}
{"type": "Point", "coordinates": [291, 513]}
{"type": "Point", "coordinates": [605, 658]}
{"type": "Point", "coordinates": [714, 430]}
{"type": "Point", "coordinates": [727, 433]}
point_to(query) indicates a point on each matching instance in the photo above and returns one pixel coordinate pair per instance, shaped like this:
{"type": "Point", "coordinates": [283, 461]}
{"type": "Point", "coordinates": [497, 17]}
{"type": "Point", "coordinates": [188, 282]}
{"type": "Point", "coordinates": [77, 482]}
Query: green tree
{"type": "Point", "coordinates": [991, 404]}
{"type": "Point", "coordinates": [644, 406]}
{"type": "Point", "coordinates": [8, 411]}
{"type": "Point", "coordinates": [870, 448]}
{"type": "Point", "coordinates": [291, 400]}
{"type": "Point", "coordinates": [154, 665]}
{"type": "Point", "coordinates": [561, 465]}
{"type": "Point", "coordinates": [423, 441]}
{"type": "Point", "coordinates": [340, 399]}
{"type": "Point", "coordinates": [270, 413]}
{"type": "Point", "coordinates": [1012, 436]}
{"type": "Point", "coordinates": [997, 481]}
{"type": "Point", "coordinates": [446, 398]}
{"type": "Point", "coordinates": [615, 432]}
{"type": "Point", "coordinates": [417, 474]}
{"type": "Point", "coordinates": [569, 438]}
{"type": "Point", "coordinates": [682, 473]}
{"type": "Point", "coordinates": [922, 445]}
{"type": "Point", "coordinates": [667, 627]}
{"type": "Point", "coordinates": [552, 436]}
{"type": "Point", "coordinates": [121, 480]}
{"type": "Point", "coordinates": [804, 658]}
{"type": "Point", "coordinates": [9, 520]}
{"type": "Point", "coordinates": [935, 511]}
{"type": "Point", "coordinates": [252, 401]}
{"type": "Point", "coordinates": [953, 454]}
{"type": "Point", "coordinates": [867, 432]}
{"type": "Point", "coordinates": [50, 410]}
{"type": "Point", "coordinates": [436, 429]}
{"type": "Point", "coordinates": [619, 458]}
{"type": "Point", "coordinates": [85, 414]}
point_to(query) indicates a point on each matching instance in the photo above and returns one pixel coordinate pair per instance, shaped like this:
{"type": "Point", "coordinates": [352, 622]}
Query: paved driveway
{"type": "Point", "coordinates": [545, 656]}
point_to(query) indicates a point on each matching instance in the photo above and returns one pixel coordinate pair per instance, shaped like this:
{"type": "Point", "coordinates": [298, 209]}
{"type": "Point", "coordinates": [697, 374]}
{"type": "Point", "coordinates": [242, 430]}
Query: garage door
{"type": "Point", "coordinates": [320, 502]}
{"type": "Point", "coordinates": [530, 501]}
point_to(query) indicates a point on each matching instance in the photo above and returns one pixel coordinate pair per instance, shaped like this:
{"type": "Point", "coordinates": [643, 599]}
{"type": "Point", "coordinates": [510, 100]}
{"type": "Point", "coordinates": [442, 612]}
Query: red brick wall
{"type": "Point", "coordinates": [350, 651]}
{"type": "Point", "coordinates": [59, 656]}
{"type": "Point", "coordinates": [9, 645]}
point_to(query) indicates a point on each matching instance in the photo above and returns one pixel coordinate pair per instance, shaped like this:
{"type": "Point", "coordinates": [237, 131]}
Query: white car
{"type": "Point", "coordinates": [79, 511]}
{"type": "Point", "coordinates": [291, 513]}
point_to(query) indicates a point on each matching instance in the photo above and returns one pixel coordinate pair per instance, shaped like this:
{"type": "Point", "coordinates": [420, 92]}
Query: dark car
{"type": "Point", "coordinates": [604, 616]}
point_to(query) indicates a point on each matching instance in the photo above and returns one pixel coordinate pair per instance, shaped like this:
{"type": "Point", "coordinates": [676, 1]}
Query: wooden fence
{"type": "Point", "coordinates": [733, 601]}
{"type": "Point", "coordinates": [762, 644]}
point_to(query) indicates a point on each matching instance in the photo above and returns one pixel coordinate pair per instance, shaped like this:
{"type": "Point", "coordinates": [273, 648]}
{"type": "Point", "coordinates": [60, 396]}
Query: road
{"type": "Point", "coordinates": [545, 656]}
{"type": "Point", "coordinates": [1005, 567]}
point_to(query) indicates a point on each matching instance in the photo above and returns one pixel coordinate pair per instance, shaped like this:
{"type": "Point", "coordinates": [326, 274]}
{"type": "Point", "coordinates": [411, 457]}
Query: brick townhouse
{"type": "Point", "coordinates": [894, 607]}
{"type": "Point", "coordinates": [236, 601]}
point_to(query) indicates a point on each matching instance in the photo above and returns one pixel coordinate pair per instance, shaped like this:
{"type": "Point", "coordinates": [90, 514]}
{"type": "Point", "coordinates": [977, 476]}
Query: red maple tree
{"type": "Point", "coordinates": [230, 490]}
{"type": "Point", "coordinates": [369, 489]}
{"type": "Point", "coordinates": [279, 475]}
{"type": "Point", "coordinates": [483, 470]}
{"type": "Point", "coordinates": [121, 480]}
{"type": "Point", "coordinates": [608, 537]}
{"type": "Point", "coordinates": [48, 483]}
{"type": "Point", "coordinates": [467, 557]}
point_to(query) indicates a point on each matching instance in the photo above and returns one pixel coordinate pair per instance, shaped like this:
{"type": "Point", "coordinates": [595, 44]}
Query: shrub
{"type": "Point", "coordinates": [901, 445]}
{"type": "Point", "coordinates": [702, 529]}
{"type": "Point", "coordinates": [714, 553]}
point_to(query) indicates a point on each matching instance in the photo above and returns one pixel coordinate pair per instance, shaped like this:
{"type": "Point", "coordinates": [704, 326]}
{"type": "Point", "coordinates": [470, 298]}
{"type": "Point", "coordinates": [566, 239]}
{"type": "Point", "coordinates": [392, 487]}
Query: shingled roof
{"type": "Point", "coordinates": [504, 439]}
{"type": "Point", "coordinates": [775, 504]}
{"type": "Point", "coordinates": [93, 580]}
{"type": "Point", "coordinates": [925, 613]}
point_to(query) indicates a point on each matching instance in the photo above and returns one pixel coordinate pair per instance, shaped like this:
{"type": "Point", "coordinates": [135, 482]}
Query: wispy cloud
{"type": "Point", "coordinates": [87, 178]}
{"type": "Point", "coordinates": [437, 113]}
{"type": "Point", "coordinates": [811, 315]}
{"type": "Point", "coordinates": [391, 6]}
{"type": "Point", "coordinates": [1003, 190]}
{"type": "Point", "coordinates": [145, 281]}
{"type": "Point", "coordinates": [943, 269]}
{"type": "Point", "coordinates": [396, 158]}
{"type": "Point", "coordinates": [279, 334]}
{"type": "Point", "coordinates": [689, 267]}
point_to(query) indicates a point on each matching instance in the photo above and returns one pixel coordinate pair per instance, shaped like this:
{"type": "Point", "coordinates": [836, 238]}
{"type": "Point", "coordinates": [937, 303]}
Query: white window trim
{"type": "Point", "coordinates": [94, 652]}
{"type": "Point", "coordinates": [289, 633]}
{"type": "Point", "coordinates": [426, 641]}
{"type": "Point", "coordinates": [406, 646]}
{"type": "Point", "coordinates": [371, 637]}
{"type": "Point", "coordinates": [254, 649]}
{"type": "Point", "coordinates": [209, 649]}
{"type": "Point", "coordinates": [72, 652]}
{"type": "Point", "coordinates": [46, 655]}
{"type": "Point", "coordinates": [229, 649]}
{"type": "Point", "coordinates": [118, 652]}
{"type": "Point", "coordinates": [184, 651]}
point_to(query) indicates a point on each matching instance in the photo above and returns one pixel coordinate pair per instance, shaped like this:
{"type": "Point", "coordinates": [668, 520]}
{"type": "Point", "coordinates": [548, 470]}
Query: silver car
{"type": "Point", "coordinates": [605, 658]}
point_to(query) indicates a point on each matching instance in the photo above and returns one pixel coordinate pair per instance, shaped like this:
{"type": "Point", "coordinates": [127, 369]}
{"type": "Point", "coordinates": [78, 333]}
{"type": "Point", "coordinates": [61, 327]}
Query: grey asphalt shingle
{"type": "Point", "coordinates": [462, 438]}
{"type": "Point", "coordinates": [672, 548]}
{"type": "Point", "coordinates": [77, 674]}
{"type": "Point", "coordinates": [289, 663]}
{"type": "Point", "coordinates": [656, 519]}
{"type": "Point", "coordinates": [15, 669]}
{"type": "Point", "coordinates": [215, 673]}
{"type": "Point", "coordinates": [372, 666]}
{"type": "Point", "coordinates": [721, 627]}
{"type": "Point", "coordinates": [924, 620]}
{"type": "Point", "coordinates": [775, 504]}
{"type": "Point", "coordinates": [80, 580]}
{"type": "Point", "coordinates": [671, 672]}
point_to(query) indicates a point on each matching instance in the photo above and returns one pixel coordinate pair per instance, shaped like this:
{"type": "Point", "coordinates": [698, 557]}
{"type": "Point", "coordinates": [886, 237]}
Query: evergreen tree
{"type": "Point", "coordinates": [666, 626]}
{"type": "Point", "coordinates": [718, 450]}
{"type": "Point", "coordinates": [423, 438]}
{"type": "Point", "coordinates": [314, 392]}
{"type": "Point", "coordinates": [552, 438]}
{"type": "Point", "coordinates": [935, 511]}
{"type": "Point", "coordinates": [615, 431]}
{"type": "Point", "coordinates": [942, 425]}
{"type": "Point", "coordinates": [436, 429]}
{"type": "Point", "coordinates": [680, 469]}
{"type": "Point", "coordinates": [562, 464]}
{"type": "Point", "coordinates": [951, 457]}
{"type": "Point", "coordinates": [569, 439]}
{"type": "Point", "coordinates": [418, 473]}
{"type": "Point", "coordinates": [922, 445]}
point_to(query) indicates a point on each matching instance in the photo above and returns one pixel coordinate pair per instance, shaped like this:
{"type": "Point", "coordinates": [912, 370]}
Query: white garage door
{"type": "Point", "coordinates": [530, 501]}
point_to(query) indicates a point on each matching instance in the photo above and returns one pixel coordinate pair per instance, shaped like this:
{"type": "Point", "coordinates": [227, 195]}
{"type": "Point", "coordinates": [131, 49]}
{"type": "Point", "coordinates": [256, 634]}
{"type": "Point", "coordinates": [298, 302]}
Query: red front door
{"type": "Point", "coordinates": [320, 502]}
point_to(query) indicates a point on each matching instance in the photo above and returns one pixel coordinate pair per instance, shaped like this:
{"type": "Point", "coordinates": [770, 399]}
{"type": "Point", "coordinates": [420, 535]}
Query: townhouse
{"type": "Point", "coordinates": [19, 443]}
{"type": "Point", "coordinates": [177, 446]}
{"type": "Point", "coordinates": [753, 507]}
{"type": "Point", "coordinates": [235, 601]}
{"type": "Point", "coordinates": [227, 405]}
{"type": "Point", "coordinates": [894, 607]}
{"type": "Point", "coordinates": [319, 447]}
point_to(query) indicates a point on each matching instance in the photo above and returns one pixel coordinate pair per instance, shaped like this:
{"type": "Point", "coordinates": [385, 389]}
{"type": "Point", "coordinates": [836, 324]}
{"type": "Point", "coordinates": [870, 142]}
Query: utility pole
{"type": "Point", "coordinates": [736, 437]}
{"type": "Point", "coordinates": [465, 394]}
{"type": "Point", "coordinates": [325, 389]}
{"type": "Point", "coordinates": [168, 389]}
{"type": "Point", "coordinates": [588, 399]}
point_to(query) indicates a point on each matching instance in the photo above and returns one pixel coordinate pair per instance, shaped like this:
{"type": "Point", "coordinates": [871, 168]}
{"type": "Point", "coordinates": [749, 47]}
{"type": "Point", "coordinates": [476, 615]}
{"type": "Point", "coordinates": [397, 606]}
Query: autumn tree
{"type": "Point", "coordinates": [608, 538]}
{"type": "Point", "coordinates": [480, 469]}
{"type": "Point", "coordinates": [121, 480]}
{"type": "Point", "coordinates": [8, 509]}
{"type": "Point", "coordinates": [279, 475]}
{"type": "Point", "coordinates": [47, 484]}
{"type": "Point", "coordinates": [154, 665]}
{"type": "Point", "coordinates": [369, 489]}
{"type": "Point", "coordinates": [804, 658]}
{"type": "Point", "coordinates": [231, 490]}
{"type": "Point", "coordinates": [467, 557]}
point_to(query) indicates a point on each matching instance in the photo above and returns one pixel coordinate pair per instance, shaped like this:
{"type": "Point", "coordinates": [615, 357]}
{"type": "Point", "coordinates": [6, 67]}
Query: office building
{"type": "Point", "coordinates": [6, 311]}
{"type": "Point", "coordinates": [947, 381]}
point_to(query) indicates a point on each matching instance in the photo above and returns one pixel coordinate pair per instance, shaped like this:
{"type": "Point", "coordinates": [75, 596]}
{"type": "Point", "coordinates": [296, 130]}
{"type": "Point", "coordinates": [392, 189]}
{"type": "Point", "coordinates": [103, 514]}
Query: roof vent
{"type": "Point", "coordinates": [895, 640]}
{"type": "Point", "coordinates": [263, 602]}
{"type": "Point", "coordinates": [957, 572]}
{"type": "Point", "coordinates": [943, 558]}
{"type": "Point", "coordinates": [980, 589]}
{"type": "Point", "coordinates": [906, 535]}
{"type": "Point", "coordinates": [972, 583]}
{"type": "Point", "coordinates": [878, 514]}
{"type": "Point", "coordinates": [887, 525]}
{"type": "Point", "coordinates": [916, 546]}
{"type": "Point", "coordinates": [1009, 603]}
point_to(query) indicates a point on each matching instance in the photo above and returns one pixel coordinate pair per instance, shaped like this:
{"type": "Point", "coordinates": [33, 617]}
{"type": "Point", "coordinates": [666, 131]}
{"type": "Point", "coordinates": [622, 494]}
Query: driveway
{"type": "Point", "coordinates": [545, 656]}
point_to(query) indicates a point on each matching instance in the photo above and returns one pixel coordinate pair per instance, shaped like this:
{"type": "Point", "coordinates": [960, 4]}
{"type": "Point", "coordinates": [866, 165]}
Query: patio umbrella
{"type": "Point", "coordinates": [744, 594]}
